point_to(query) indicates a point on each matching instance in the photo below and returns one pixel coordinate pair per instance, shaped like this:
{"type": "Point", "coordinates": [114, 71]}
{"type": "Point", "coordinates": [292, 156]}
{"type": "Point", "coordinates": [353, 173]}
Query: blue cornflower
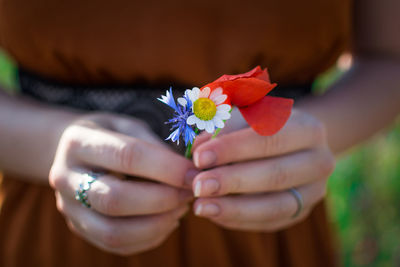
{"type": "Point", "coordinates": [182, 112]}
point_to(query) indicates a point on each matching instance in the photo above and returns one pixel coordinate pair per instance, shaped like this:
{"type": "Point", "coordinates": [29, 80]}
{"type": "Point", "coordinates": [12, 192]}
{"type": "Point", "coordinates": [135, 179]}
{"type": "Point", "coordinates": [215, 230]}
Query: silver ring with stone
{"type": "Point", "coordinates": [81, 194]}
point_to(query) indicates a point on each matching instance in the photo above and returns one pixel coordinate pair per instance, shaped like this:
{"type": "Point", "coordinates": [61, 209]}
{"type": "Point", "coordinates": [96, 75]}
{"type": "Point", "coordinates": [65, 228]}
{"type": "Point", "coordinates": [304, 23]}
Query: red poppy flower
{"type": "Point", "coordinates": [265, 114]}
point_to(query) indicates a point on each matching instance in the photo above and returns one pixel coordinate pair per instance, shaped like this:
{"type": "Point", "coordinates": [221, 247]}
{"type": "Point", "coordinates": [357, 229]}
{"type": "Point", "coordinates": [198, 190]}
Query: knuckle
{"type": "Point", "coordinates": [326, 163]}
{"type": "Point", "coordinates": [318, 131]}
{"type": "Point", "coordinates": [71, 144]}
{"type": "Point", "coordinates": [279, 177]}
{"type": "Point", "coordinates": [129, 155]}
{"type": "Point", "coordinates": [271, 144]}
{"type": "Point", "coordinates": [69, 139]}
{"type": "Point", "coordinates": [57, 178]}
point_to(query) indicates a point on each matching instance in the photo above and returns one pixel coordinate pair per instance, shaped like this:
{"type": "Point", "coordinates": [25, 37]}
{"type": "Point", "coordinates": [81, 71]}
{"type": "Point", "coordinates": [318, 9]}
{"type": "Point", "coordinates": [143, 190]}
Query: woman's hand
{"type": "Point", "coordinates": [126, 216]}
{"type": "Point", "coordinates": [247, 177]}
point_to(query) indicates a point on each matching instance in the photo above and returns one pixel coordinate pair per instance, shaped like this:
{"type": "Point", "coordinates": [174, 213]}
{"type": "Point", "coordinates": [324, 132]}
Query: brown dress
{"type": "Point", "coordinates": [185, 42]}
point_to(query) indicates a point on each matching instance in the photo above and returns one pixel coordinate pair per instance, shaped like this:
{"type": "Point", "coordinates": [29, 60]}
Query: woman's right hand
{"type": "Point", "coordinates": [126, 216]}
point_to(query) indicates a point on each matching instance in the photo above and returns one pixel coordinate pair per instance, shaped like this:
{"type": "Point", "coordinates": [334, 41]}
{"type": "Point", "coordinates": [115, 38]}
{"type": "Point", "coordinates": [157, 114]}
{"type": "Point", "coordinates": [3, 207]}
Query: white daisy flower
{"type": "Point", "coordinates": [208, 108]}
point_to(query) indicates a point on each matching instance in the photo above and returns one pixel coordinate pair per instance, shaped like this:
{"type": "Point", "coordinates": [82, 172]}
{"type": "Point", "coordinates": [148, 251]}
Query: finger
{"type": "Point", "coordinates": [300, 132]}
{"type": "Point", "coordinates": [236, 122]}
{"type": "Point", "coordinates": [129, 126]}
{"type": "Point", "coordinates": [269, 226]}
{"type": "Point", "coordinates": [124, 124]}
{"type": "Point", "coordinates": [121, 250]}
{"type": "Point", "coordinates": [259, 207]}
{"type": "Point", "coordinates": [200, 139]}
{"type": "Point", "coordinates": [112, 196]}
{"type": "Point", "coordinates": [118, 232]}
{"type": "Point", "coordinates": [128, 155]}
{"type": "Point", "coordinates": [274, 174]}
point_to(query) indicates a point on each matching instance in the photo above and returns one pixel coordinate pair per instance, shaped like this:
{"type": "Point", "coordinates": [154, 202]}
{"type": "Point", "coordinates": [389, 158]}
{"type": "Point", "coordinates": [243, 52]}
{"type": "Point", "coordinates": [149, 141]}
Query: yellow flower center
{"type": "Point", "coordinates": [204, 109]}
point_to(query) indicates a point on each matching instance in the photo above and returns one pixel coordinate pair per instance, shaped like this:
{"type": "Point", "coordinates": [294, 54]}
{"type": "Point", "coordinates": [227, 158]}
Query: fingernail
{"type": "Point", "coordinates": [185, 195]}
{"type": "Point", "coordinates": [209, 209]}
{"type": "Point", "coordinates": [206, 188]}
{"type": "Point", "coordinates": [189, 176]}
{"type": "Point", "coordinates": [205, 159]}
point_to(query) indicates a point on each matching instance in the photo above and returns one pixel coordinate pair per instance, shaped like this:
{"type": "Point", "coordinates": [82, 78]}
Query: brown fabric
{"type": "Point", "coordinates": [191, 42]}
{"type": "Point", "coordinates": [128, 41]}
{"type": "Point", "coordinates": [34, 233]}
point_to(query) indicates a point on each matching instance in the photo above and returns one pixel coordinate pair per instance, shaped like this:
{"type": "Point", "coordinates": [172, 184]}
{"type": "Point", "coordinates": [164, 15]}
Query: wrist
{"type": "Point", "coordinates": [30, 135]}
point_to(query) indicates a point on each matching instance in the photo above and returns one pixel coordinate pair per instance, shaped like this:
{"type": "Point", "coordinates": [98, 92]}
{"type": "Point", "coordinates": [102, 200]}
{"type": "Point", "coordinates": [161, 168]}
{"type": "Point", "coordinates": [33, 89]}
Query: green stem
{"type": "Point", "coordinates": [219, 129]}
{"type": "Point", "coordinates": [216, 133]}
{"type": "Point", "coordinates": [188, 152]}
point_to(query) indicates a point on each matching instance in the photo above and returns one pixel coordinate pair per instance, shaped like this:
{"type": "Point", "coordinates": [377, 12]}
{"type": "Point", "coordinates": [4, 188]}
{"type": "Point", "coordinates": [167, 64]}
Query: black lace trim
{"type": "Point", "coordinates": [139, 101]}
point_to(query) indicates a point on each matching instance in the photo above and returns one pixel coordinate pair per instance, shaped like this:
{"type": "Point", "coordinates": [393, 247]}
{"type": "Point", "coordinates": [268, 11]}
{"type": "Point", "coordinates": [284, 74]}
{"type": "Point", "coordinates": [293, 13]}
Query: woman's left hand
{"type": "Point", "coordinates": [247, 178]}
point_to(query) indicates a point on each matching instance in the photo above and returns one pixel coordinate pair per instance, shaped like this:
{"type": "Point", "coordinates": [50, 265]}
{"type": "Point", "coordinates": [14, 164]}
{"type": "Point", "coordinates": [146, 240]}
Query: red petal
{"type": "Point", "coordinates": [263, 75]}
{"type": "Point", "coordinates": [257, 72]}
{"type": "Point", "coordinates": [246, 91]}
{"type": "Point", "coordinates": [268, 115]}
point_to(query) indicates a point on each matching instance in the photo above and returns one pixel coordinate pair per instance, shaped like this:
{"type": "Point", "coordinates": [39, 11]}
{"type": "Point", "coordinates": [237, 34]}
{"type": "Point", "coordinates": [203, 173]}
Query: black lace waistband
{"type": "Point", "coordinates": [136, 100]}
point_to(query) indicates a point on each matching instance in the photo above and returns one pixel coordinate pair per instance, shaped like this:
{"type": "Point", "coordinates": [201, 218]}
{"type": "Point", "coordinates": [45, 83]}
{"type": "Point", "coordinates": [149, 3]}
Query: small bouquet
{"type": "Point", "coordinates": [207, 108]}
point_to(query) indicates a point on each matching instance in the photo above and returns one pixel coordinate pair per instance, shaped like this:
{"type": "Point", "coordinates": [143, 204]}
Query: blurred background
{"type": "Point", "coordinates": [363, 192]}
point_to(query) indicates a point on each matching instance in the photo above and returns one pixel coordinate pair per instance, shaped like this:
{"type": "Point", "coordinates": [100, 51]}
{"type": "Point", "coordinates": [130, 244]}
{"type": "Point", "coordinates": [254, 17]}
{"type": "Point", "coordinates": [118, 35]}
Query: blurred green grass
{"type": "Point", "coordinates": [363, 192]}
{"type": "Point", "coordinates": [363, 196]}
{"type": "Point", "coordinates": [7, 73]}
